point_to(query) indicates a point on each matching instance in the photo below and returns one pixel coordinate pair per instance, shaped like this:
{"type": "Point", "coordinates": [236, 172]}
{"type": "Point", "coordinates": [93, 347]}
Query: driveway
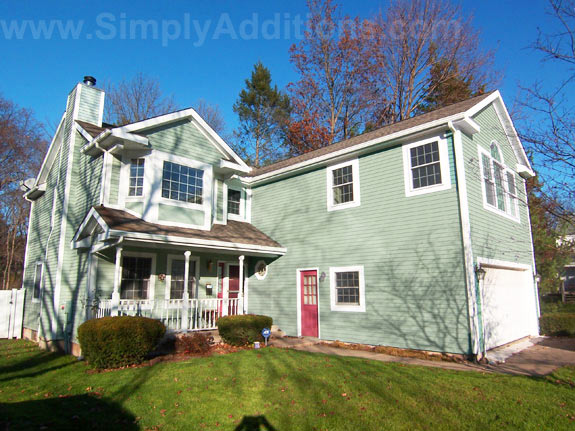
{"type": "Point", "coordinates": [544, 357]}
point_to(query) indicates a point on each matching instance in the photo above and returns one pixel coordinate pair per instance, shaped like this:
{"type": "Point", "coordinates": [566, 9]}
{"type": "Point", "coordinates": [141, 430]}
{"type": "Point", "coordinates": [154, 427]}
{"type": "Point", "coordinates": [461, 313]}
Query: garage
{"type": "Point", "coordinates": [509, 309]}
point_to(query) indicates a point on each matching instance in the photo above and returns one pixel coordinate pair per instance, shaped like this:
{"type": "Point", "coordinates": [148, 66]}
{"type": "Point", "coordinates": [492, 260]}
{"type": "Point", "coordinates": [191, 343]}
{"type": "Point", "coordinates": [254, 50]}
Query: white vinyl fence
{"type": "Point", "coordinates": [11, 313]}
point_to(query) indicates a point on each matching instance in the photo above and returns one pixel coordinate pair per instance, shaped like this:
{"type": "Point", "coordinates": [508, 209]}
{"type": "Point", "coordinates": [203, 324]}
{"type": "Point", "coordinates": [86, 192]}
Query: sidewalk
{"type": "Point", "coordinates": [539, 359]}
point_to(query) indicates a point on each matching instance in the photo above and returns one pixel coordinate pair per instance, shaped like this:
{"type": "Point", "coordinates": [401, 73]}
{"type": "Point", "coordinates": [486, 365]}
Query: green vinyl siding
{"type": "Point", "coordinates": [410, 248]}
{"type": "Point", "coordinates": [220, 200]}
{"type": "Point", "coordinates": [137, 207]}
{"type": "Point", "coordinates": [493, 235]}
{"type": "Point", "coordinates": [115, 180]}
{"type": "Point", "coordinates": [89, 107]}
{"type": "Point", "coordinates": [183, 139]}
{"type": "Point", "coordinates": [178, 214]}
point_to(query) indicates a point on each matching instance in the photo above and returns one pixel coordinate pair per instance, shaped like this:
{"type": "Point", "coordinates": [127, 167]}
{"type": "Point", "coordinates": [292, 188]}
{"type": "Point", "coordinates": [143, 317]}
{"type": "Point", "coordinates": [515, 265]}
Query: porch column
{"type": "Point", "coordinates": [186, 294]}
{"type": "Point", "coordinates": [241, 287]}
{"type": "Point", "coordinates": [117, 282]}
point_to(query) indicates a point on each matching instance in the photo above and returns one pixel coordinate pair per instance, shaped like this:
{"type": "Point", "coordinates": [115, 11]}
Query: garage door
{"type": "Point", "coordinates": [508, 306]}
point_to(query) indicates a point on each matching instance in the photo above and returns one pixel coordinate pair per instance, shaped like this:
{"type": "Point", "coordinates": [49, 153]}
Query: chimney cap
{"type": "Point", "coordinates": [89, 81]}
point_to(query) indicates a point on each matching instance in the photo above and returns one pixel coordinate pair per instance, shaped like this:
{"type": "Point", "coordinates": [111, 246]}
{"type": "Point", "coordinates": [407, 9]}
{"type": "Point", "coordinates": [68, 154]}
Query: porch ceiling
{"type": "Point", "coordinates": [233, 236]}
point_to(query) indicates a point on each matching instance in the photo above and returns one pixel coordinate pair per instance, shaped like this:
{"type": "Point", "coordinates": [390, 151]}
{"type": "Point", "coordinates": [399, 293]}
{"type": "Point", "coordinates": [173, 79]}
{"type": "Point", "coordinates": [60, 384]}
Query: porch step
{"type": "Point", "coordinates": [293, 342]}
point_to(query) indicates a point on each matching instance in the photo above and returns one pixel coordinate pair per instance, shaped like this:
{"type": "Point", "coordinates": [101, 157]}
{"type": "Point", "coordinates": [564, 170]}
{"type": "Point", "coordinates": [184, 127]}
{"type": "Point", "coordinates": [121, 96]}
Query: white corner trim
{"type": "Point", "coordinates": [249, 197]}
{"type": "Point", "coordinates": [467, 241]}
{"type": "Point", "coordinates": [26, 256]}
{"type": "Point", "coordinates": [333, 293]}
{"type": "Point", "coordinates": [443, 166]}
{"type": "Point", "coordinates": [298, 272]}
{"type": "Point", "coordinates": [331, 206]}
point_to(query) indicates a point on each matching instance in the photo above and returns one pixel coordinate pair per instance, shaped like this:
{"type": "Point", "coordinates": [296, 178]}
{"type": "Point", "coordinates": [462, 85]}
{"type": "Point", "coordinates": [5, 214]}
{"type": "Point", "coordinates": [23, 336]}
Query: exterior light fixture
{"type": "Point", "coordinates": [480, 273]}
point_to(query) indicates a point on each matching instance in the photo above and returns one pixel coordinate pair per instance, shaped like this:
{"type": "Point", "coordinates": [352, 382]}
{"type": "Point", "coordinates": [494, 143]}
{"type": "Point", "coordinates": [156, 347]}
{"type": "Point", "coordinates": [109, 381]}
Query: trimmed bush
{"type": "Point", "coordinates": [196, 343]}
{"type": "Point", "coordinates": [243, 329]}
{"type": "Point", "coordinates": [112, 342]}
{"type": "Point", "coordinates": [562, 324]}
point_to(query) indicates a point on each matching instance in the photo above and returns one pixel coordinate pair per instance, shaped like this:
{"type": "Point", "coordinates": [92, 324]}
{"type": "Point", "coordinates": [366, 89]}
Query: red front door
{"type": "Point", "coordinates": [233, 288]}
{"type": "Point", "coordinates": [308, 283]}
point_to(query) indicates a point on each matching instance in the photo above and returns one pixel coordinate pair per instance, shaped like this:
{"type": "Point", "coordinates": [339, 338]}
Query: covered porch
{"type": "Point", "coordinates": [183, 279]}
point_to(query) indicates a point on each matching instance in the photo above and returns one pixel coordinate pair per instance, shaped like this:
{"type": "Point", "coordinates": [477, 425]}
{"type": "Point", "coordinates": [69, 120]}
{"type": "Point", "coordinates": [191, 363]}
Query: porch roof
{"type": "Point", "coordinates": [231, 236]}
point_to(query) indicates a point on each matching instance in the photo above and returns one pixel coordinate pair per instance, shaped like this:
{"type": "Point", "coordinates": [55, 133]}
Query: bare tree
{"type": "Point", "coordinates": [212, 115]}
{"type": "Point", "coordinates": [551, 137]}
{"type": "Point", "coordinates": [135, 100]}
{"type": "Point", "coordinates": [22, 146]}
{"type": "Point", "coordinates": [413, 39]}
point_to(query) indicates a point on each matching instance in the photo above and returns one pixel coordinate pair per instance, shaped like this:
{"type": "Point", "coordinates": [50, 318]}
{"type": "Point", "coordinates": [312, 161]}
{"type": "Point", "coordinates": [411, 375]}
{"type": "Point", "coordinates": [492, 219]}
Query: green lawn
{"type": "Point", "coordinates": [288, 390]}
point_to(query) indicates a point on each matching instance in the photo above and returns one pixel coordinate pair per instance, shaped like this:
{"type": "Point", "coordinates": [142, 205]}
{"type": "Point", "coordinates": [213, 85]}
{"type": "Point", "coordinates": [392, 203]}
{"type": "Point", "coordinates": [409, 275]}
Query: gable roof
{"type": "Point", "coordinates": [459, 113]}
{"type": "Point", "coordinates": [234, 234]}
{"type": "Point", "coordinates": [393, 128]}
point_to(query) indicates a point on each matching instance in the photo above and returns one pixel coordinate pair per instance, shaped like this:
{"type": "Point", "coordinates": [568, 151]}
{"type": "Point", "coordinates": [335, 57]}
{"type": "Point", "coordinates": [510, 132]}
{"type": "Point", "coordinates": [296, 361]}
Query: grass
{"type": "Point", "coordinates": [273, 389]}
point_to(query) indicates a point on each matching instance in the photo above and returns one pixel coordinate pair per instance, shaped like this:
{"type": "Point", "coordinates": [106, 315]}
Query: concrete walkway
{"type": "Point", "coordinates": [538, 359]}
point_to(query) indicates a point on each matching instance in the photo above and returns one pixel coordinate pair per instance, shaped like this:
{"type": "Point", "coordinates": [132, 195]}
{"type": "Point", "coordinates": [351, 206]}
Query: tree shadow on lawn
{"type": "Point", "coordinates": [255, 423]}
{"type": "Point", "coordinates": [78, 412]}
{"type": "Point", "coordinates": [35, 365]}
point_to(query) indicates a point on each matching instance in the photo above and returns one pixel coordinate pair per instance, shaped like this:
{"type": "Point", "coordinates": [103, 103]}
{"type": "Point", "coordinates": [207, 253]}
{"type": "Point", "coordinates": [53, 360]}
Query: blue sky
{"type": "Point", "coordinates": [205, 49]}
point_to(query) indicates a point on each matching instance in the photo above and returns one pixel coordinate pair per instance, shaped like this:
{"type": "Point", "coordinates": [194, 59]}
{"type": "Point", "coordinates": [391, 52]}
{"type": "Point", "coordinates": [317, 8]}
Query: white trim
{"type": "Point", "coordinates": [152, 285]}
{"type": "Point", "coordinates": [91, 214]}
{"type": "Point", "coordinates": [508, 201]}
{"type": "Point", "coordinates": [27, 243]}
{"type": "Point", "coordinates": [83, 132]}
{"type": "Point", "coordinates": [226, 164]}
{"type": "Point", "coordinates": [124, 179]}
{"type": "Point", "coordinates": [242, 215]}
{"type": "Point", "coordinates": [298, 272]}
{"type": "Point", "coordinates": [443, 166]}
{"type": "Point", "coordinates": [257, 274]}
{"type": "Point", "coordinates": [470, 283]}
{"type": "Point", "coordinates": [333, 294]}
{"type": "Point", "coordinates": [249, 197]}
{"type": "Point", "coordinates": [199, 243]}
{"type": "Point", "coordinates": [64, 214]}
{"type": "Point", "coordinates": [502, 264]}
{"type": "Point", "coordinates": [225, 202]}
{"type": "Point", "coordinates": [107, 165]}
{"type": "Point", "coordinates": [171, 258]}
{"type": "Point", "coordinates": [331, 206]}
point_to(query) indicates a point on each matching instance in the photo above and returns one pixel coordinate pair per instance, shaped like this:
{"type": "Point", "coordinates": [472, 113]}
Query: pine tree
{"type": "Point", "coordinates": [264, 113]}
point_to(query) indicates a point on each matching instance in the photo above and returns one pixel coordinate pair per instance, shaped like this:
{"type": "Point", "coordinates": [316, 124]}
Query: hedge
{"type": "Point", "coordinates": [243, 329]}
{"type": "Point", "coordinates": [562, 324]}
{"type": "Point", "coordinates": [112, 342]}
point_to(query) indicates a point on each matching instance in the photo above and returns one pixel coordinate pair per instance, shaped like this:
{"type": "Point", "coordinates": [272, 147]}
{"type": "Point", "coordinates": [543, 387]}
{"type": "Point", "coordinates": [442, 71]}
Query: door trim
{"type": "Point", "coordinates": [298, 272]}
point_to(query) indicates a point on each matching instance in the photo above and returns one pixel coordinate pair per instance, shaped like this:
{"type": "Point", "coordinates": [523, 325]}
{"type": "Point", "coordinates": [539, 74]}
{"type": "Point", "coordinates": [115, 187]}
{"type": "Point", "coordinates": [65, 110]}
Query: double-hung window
{"type": "Point", "coordinates": [37, 281]}
{"type": "Point", "coordinates": [426, 167]}
{"type": "Point", "coordinates": [343, 185]}
{"type": "Point", "coordinates": [136, 274]}
{"type": "Point", "coordinates": [234, 201]}
{"type": "Point", "coordinates": [136, 177]}
{"type": "Point", "coordinates": [177, 278]}
{"type": "Point", "coordinates": [182, 183]}
{"type": "Point", "coordinates": [347, 288]}
{"type": "Point", "coordinates": [499, 183]}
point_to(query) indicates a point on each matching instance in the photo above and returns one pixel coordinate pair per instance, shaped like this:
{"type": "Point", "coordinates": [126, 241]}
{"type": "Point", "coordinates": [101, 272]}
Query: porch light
{"type": "Point", "coordinates": [480, 273]}
{"type": "Point", "coordinates": [322, 277]}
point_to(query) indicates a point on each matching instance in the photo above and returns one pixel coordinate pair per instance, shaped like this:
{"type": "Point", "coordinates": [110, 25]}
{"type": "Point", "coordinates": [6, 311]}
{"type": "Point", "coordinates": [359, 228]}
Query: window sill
{"type": "Point", "coordinates": [349, 308]}
{"type": "Point", "coordinates": [500, 213]}
{"type": "Point", "coordinates": [346, 205]}
{"type": "Point", "coordinates": [428, 189]}
{"type": "Point", "coordinates": [173, 202]}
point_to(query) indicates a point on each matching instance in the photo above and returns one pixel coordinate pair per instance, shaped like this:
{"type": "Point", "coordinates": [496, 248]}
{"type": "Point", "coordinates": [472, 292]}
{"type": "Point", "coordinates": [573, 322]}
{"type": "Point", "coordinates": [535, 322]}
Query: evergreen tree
{"type": "Point", "coordinates": [264, 113]}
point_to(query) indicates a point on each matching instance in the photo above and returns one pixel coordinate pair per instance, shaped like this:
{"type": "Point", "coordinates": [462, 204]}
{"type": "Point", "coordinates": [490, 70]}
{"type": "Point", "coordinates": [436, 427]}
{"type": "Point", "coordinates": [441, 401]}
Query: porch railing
{"type": "Point", "coordinates": [201, 314]}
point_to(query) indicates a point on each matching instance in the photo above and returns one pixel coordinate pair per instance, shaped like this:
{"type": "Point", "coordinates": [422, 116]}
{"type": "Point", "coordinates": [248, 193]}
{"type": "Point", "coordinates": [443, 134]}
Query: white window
{"type": "Point", "coordinates": [499, 183]}
{"type": "Point", "coordinates": [37, 281]}
{"type": "Point", "coordinates": [343, 185]}
{"type": "Point", "coordinates": [175, 279]}
{"type": "Point", "coordinates": [136, 275]}
{"type": "Point", "coordinates": [234, 201]}
{"type": "Point", "coordinates": [426, 166]}
{"type": "Point", "coordinates": [182, 183]}
{"type": "Point", "coordinates": [347, 288]}
{"type": "Point", "coordinates": [136, 177]}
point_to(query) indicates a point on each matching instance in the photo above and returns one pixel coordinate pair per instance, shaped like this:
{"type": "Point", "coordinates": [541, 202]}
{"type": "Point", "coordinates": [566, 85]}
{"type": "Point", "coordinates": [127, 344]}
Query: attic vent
{"type": "Point", "coordinates": [90, 81]}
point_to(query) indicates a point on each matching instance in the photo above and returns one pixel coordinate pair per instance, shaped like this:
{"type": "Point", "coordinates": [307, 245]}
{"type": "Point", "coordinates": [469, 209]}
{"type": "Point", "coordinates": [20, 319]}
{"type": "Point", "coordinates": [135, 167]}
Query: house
{"type": "Point", "coordinates": [415, 235]}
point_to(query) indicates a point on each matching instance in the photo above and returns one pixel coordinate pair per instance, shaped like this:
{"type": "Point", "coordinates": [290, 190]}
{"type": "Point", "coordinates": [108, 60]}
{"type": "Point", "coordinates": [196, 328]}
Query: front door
{"type": "Point", "coordinates": [233, 288]}
{"type": "Point", "coordinates": [309, 321]}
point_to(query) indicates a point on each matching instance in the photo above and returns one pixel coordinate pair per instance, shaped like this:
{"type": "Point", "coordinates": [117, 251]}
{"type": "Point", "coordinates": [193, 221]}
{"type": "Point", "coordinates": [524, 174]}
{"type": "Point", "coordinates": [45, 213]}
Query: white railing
{"type": "Point", "coordinates": [202, 314]}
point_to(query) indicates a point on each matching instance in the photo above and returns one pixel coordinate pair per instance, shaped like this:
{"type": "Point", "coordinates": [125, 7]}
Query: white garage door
{"type": "Point", "coordinates": [508, 306]}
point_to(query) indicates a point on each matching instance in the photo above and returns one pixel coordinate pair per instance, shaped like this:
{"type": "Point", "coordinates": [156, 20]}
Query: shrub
{"type": "Point", "coordinates": [558, 324]}
{"type": "Point", "coordinates": [243, 329]}
{"type": "Point", "coordinates": [196, 343]}
{"type": "Point", "coordinates": [112, 342]}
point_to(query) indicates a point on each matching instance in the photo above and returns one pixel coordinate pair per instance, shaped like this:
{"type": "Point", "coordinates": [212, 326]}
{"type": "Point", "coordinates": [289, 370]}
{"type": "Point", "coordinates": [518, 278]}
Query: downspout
{"type": "Point", "coordinates": [470, 279]}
